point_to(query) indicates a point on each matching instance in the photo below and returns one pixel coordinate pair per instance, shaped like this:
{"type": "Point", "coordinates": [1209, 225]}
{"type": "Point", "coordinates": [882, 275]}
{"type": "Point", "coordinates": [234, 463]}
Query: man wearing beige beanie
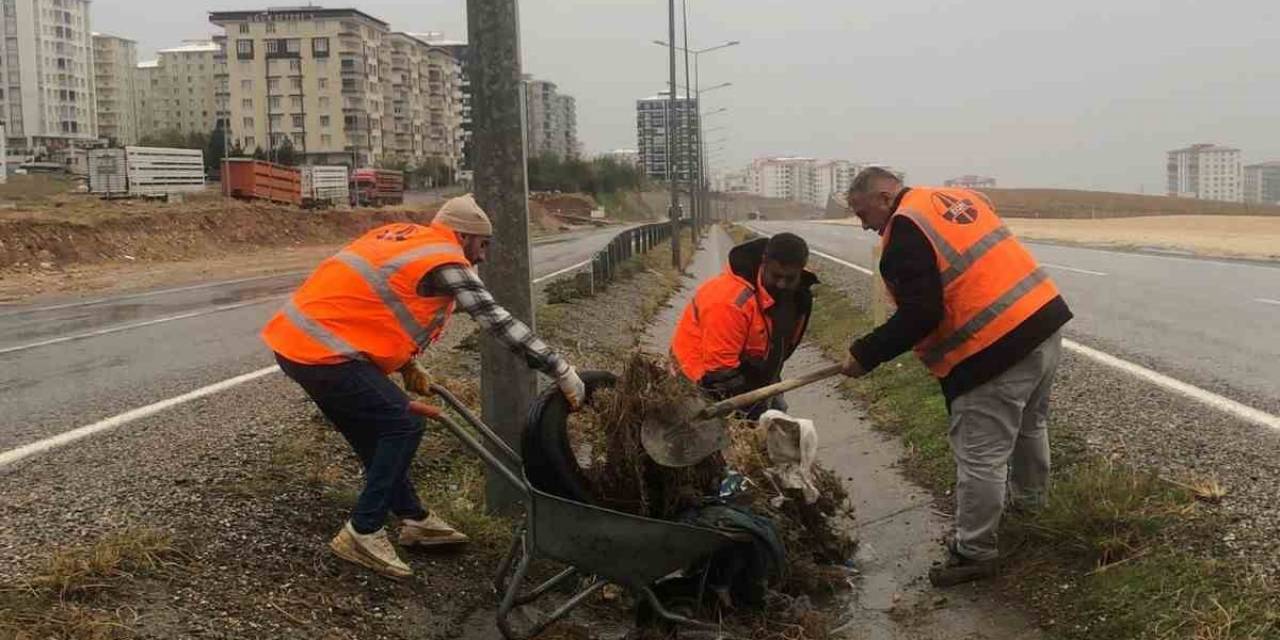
{"type": "Point", "coordinates": [366, 313]}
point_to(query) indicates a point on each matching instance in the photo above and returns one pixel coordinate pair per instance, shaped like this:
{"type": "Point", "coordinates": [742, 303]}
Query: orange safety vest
{"type": "Point", "coordinates": [709, 336]}
{"type": "Point", "coordinates": [363, 303]}
{"type": "Point", "coordinates": [990, 282]}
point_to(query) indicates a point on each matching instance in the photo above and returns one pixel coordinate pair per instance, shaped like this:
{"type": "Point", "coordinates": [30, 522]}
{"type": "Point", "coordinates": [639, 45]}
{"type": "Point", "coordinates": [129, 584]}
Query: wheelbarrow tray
{"type": "Point", "coordinates": [596, 543]}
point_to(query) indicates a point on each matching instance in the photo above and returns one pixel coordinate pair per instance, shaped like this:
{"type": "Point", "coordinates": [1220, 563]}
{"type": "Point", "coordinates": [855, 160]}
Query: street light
{"type": "Point", "coordinates": [697, 54]}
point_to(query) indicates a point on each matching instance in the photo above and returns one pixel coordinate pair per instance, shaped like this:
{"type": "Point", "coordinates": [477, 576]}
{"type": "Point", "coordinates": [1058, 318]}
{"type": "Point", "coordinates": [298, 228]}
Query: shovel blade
{"type": "Point", "coordinates": [681, 439]}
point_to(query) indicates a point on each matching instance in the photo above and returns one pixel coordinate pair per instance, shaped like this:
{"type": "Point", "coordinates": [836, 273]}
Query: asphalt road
{"type": "Point", "coordinates": [1215, 324]}
{"type": "Point", "coordinates": [73, 362]}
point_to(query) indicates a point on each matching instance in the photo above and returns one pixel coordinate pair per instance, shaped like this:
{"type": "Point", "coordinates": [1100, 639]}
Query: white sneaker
{"type": "Point", "coordinates": [372, 550]}
{"type": "Point", "coordinates": [431, 531]}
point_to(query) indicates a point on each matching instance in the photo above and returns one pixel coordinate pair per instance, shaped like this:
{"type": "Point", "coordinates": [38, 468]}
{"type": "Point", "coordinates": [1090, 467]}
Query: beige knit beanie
{"type": "Point", "coordinates": [463, 215]}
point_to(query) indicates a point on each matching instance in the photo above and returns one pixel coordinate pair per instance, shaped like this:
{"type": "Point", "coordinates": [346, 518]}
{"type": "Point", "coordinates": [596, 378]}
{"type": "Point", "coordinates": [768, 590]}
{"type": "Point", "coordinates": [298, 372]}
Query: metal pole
{"type": "Point", "coordinates": [507, 386]}
{"type": "Point", "coordinates": [671, 136]}
{"type": "Point", "coordinates": [697, 82]}
{"type": "Point", "coordinates": [687, 151]}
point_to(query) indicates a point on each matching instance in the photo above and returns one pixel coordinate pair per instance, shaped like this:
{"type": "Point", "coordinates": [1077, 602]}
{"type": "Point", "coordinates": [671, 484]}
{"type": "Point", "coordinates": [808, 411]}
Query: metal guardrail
{"type": "Point", "coordinates": [606, 264]}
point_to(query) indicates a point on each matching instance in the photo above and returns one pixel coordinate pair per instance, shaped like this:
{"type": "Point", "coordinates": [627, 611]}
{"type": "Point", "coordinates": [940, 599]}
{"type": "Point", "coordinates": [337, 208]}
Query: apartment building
{"type": "Point", "coordinates": [1262, 183]}
{"type": "Point", "coordinates": [786, 178]}
{"type": "Point", "coordinates": [46, 75]}
{"type": "Point", "coordinates": [178, 91]}
{"type": "Point", "coordinates": [831, 178]}
{"type": "Point", "coordinates": [551, 120]}
{"type": "Point", "coordinates": [652, 130]}
{"type": "Point", "coordinates": [1206, 172]}
{"type": "Point", "coordinates": [425, 102]}
{"type": "Point", "coordinates": [115, 62]}
{"type": "Point", "coordinates": [461, 53]}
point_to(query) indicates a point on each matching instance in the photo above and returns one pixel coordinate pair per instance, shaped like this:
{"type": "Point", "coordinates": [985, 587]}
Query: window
{"type": "Point", "coordinates": [244, 27]}
{"type": "Point", "coordinates": [298, 121]}
{"type": "Point", "coordinates": [295, 83]}
{"type": "Point", "coordinates": [250, 142]}
{"type": "Point", "coordinates": [293, 46]}
{"type": "Point", "coordinates": [319, 47]}
{"type": "Point", "coordinates": [246, 85]}
{"type": "Point", "coordinates": [273, 47]}
{"type": "Point", "coordinates": [271, 27]}
{"type": "Point", "coordinates": [324, 122]}
{"type": "Point", "coordinates": [247, 104]}
{"type": "Point", "coordinates": [244, 49]}
{"type": "Point", "coordinates": [295, 102]}
{"type": "Point", "coordinates": [322, 83]}
{"type": "Point", "coordinates": [273, 84]}
{"type": "Point", "coordinates": [273, 103]}
{"type": "Point", "coordinates": [274, 122]}
{"type": "Point", "coordinates": [248, 124]}
{"type": "Point", "coordinates": [295, 66]}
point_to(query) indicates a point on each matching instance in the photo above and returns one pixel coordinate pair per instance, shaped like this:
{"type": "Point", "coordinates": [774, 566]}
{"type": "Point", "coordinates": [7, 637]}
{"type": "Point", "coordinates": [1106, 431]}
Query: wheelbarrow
{"type": "Point", "coordinates": [599, 544]}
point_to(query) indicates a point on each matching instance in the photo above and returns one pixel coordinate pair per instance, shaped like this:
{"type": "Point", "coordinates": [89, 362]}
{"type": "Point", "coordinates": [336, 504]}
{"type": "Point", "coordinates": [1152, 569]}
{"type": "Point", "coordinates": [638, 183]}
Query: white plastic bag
{"type": "Point", "coordinates": [792, 445]}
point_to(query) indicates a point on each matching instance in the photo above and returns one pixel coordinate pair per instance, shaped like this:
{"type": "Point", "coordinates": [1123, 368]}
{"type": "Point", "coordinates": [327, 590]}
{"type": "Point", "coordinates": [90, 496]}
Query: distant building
{"type": "Point", "coordinates": [1262, 183]}
{"type": "Point", "coordinates": [115, 62]}
{"type": "Point", "coordinates": [652, 131]}
{"type": "Point", "coordinates": [972, 182]}
{"type": "Point", "coordinates": [552, 120]}
{"type": "Point", "coordinates": [461, 53]}
{"type": "Point", "coordinates": [1206, 172]}
{"type": "Point", "coordinates": [786, 178]}
{"type": "Point", "coordinates": [180, 89]}
{"type": "Point", "coordinates": [832, 177]}
{"type": "Point", "coordinates": [731, 182]}
{"type": "Point", "coordinates": [46, 65]}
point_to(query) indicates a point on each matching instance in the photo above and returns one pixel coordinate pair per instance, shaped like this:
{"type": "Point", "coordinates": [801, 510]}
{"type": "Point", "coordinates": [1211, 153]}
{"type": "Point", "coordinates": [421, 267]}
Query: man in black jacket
{"type": "Point", "coordinates": [986, 320]}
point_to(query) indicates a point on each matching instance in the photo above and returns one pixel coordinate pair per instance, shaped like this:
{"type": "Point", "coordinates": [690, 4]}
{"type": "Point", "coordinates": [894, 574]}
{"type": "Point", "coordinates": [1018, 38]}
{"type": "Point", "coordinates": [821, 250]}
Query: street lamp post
{"type": "Point", "coordinates": [696, 87]}
{"type": "Point", "coordinates": [671, 149]}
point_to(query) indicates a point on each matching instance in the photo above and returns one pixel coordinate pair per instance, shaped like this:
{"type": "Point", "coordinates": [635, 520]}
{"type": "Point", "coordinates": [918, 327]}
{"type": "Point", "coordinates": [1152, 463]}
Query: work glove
{"type": "Point", "coordinates": [416, 379]}
{"type": "Point", "coordinates": [574, 390]}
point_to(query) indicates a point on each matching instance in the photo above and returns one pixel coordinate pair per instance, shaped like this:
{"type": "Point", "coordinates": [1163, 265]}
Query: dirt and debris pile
{"type": "Point", "coordinates": [606, 442]}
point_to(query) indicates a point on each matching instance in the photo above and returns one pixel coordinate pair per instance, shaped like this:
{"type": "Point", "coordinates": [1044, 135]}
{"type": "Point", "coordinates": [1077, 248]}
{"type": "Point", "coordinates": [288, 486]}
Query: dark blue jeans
{"type": "Point", "coordinates": [372, 413]}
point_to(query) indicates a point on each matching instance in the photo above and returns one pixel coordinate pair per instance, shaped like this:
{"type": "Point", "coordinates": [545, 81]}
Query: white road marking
{"type": "Point", "coordinates": [62, 439]}
{"type": "Point", "coordinates": [1066, 268]}
{"type": "Point", "coordinates": [145, 294]}
{"type": "Point", "coordinates": [53, 442]}
{"type": "Point", "coordinates": [828, 256]}
{"type": "Point", "coordinates": [562, 271]}
{"type": "Point", "coordinates": [137, 325]}
{"type": "Point", "coordinates": [1266, 301]}
{"type": "Point", "coordinates": [1226, 405]}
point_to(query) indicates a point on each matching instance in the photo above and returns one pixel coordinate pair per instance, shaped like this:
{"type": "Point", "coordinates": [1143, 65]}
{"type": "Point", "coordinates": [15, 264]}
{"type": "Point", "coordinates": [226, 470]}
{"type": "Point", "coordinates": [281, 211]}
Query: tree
{"type": "Point", "coordinates": [216, 149]}
{"type": "Point", "coordinates": [285, 154]}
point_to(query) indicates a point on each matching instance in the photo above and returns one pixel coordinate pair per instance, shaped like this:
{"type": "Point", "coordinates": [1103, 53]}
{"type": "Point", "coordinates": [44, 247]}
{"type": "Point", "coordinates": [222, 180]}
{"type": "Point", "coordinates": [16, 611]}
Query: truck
{"type": "Point", "coordinates": [144, 171]}
{"type": "Point", "coordinates": [250, 179]}
{"type": "Point", "coordinates": [324, 186]}
{"type": "Point", "coordinates": [377, 187]}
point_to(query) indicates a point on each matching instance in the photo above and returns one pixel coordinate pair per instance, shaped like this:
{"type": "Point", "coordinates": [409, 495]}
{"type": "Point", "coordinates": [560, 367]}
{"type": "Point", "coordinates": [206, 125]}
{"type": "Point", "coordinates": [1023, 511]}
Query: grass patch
{"type": "Point", "coordinates": [71, 594]}
{"type": "Point", "coordinates": [1117, 552]}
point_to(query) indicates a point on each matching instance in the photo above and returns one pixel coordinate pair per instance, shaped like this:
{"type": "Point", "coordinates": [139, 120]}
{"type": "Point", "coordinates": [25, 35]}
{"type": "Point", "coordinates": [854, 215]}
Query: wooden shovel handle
{"type": "Point", "coordinates": [724, 407]}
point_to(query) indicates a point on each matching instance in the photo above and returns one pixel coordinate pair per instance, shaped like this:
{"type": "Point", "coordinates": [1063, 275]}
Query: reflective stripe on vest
{"type": "Point", "coordinates": [745, 297]}
{"type": "Point", "coordinates": [957, 262]}
{"type": "Point", "coordinates": [380, 281]}
{"type": "Point", "coordinates": [983, 318]}
{"type": "Point", "coordinates": [320, 334]}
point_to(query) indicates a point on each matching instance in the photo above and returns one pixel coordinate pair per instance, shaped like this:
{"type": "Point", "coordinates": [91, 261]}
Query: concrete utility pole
{"type": "Point", "coordinates": [507, 386]}
{"type": "Point", "coordinates": [671, 135]}
{"type": "Point", "coordinates": [687, 153]}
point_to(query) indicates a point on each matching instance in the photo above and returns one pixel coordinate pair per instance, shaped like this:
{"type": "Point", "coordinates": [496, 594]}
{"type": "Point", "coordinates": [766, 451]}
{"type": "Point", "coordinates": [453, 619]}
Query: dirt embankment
{"type": "Point", "coordinates": [1252, 237]}
{"type": "Point", "coordinates": [82, 230]}
{"type": "Point", "coordinates": [1069, 203]}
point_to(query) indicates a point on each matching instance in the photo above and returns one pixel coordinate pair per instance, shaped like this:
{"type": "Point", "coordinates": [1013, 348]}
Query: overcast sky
{"type": "Point", "coordinates": [1083, 94]}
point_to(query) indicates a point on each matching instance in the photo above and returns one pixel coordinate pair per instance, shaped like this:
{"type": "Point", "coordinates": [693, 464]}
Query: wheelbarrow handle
{"type": "Point", "coordinates": [472, 443]}
{"type": "Point", "coordinates": [729, 405]}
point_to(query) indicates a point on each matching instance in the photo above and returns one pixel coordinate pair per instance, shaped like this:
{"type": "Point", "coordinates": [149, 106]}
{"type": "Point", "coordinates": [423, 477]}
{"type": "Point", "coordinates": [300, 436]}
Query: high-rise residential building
{"type": "Point", "coordinates": [787, 178]}
{"type": "Point", "coordinates": [312, 76]}
{"type": "Point", "coordinates": [115, 62]}
{"type": "Point", "coordinates": [831, 177]}
{"type": "Point", "coordinates": [551, 120]}
{"type": "Point", "coordinates": [1262, 183]}
{"type": "Point", "coordinates": [46, 75]}
{"type": "Point", "coordinates": [341, 87]}
{"type": "Point", "coordinates": [178, 92]}
{"type": "Point", "coordinates": [1207, 172]}
{"type": "Point", "coordinates": [461, 53]}
{"type": "Point", "coordinates": [425, 102]}
{"type": "Point", "coordinates": [651, 132]}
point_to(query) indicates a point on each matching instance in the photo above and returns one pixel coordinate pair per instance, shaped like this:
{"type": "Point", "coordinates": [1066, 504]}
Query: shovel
{"type": "Point", "coordinates": [695, 431]}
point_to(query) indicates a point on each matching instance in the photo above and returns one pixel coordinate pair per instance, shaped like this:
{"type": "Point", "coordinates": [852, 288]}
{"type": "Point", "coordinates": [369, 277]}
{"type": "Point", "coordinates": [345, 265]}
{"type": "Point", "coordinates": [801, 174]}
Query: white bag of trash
{"type": "Point", "coordinates": [792, 445]}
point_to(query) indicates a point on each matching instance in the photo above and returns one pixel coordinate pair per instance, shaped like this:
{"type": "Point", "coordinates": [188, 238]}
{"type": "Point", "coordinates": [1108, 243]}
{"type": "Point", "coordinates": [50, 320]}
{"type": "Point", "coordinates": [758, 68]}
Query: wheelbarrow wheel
{"type": "Point", "coordinates": [549, 461]}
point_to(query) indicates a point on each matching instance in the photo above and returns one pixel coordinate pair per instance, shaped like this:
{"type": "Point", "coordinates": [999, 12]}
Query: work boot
{"type": "Point", "coordinates": [959, 569]}
{"type": "Point", "coordinates": [431, 531]}
{"type": "Point", "coordinates": [372, 550]}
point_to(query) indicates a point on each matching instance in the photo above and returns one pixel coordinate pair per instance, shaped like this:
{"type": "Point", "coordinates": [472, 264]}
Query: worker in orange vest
{"type": "Point", "coordinates": [366, 313]}
{"type": "Point", "coordinates": [986, 320]}
{"type": "Point", "coordinates": [742, 325]}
